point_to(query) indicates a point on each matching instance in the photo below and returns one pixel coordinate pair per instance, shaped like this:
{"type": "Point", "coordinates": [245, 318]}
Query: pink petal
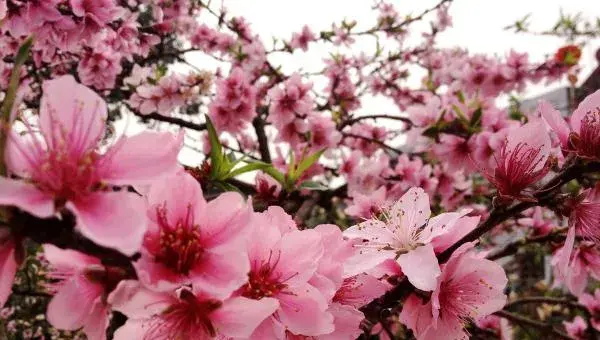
{"type": "Point", "coordinates": [533, 134]}
{"type": "Point", "coordinates": [112, 219]}
{"type": "Point", "coordinates": [70, 108]}
{"type": "Point", "coordinates": [67, 259]}
{"type": "Point", "coordinates": [8, 269]}
{"type": "Point", "coordinates": [239, 316]}
{"type": "Point", "coordinates": [180, 194]}
{"type": "Point", "coordinates": [374, 244]}
{"type": "Point", "coordinates": [347, 323]}
{"type": "Point", "coordinates": [72, 304]}
{"type": "Point", "coordinates": [131, 330]}
{"type": "Point", "coordinates": [138, 302]}
{"type": "Point", "coordinates": [278, 217]}
{"type": "Point", "coordinates": [142, 158]}
{"type": "Point", "coordinates": [557, 123]}
{"type": "Point", "coordinates": [25, 196]}
{"type": "Point", "coordinates": [361, 289]}
{"type": "Point", "coordinates": [221, 273]}
{"type": "Point", "coordinates": [304, 312]}
{"type": "Point", "coordinates": [223, 222]}
{"type": "Point", "coordinates": [412, 210]}
{"type": "Point", "coordinates": [300, 255]}
{"type": "Point", "coordinates": [97, 322]}
{"type": "Point", "coordinates": [459, 229]}
{"type": "Point", "coordinates": [590, 103]}
{"type": "Point", "coordinates": [421, 267]}
{"type": "Point", "coordinates": [416, 315]}
{"type": "Point", "coordinates": [564, 258]}
{"type": "Point", "coordinates": [24, 153]}
{"type": "Point", "coordinates": [269, 329]}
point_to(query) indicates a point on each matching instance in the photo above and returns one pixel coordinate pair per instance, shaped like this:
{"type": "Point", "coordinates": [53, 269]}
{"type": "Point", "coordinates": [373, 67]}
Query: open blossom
{"type": "Point", "coordinates": [469, 287]}
{"type": "Point", "coordinates": [367, 206]}
{"type": "Point", "coordinates": [62, 166]}
{"type": "Point", "coordinates": [572, 265]}
{"type": "Point", "coordinates": [576, 328]}
{"type": "Point", "coordinates": [185, 314]}
{"type": "Point", "coordinates": [456, 151]}
{"type": "Point", "coordinates": [190, 241]}
{"type": "Point", "coordinates": [79, 293]}
{"type": "Point", "coordinates": [406, 235]}
{"type": "Point", "coordinates": [301, 40]}
{"type": "Point", "coordinates": [291, 103]}
{"type": "Point", "coordinates": [235, 102]}
{"type": "Point", "coordinates": [592, 303]}
{"type": "Point", "coordinates": [582, 134]}
{"type": "Point", "coordinates": [282, 261]}
{"type": "Point", "coordinates": [521, 161]}
{"type": "Point", "coordinates": [100, 11]}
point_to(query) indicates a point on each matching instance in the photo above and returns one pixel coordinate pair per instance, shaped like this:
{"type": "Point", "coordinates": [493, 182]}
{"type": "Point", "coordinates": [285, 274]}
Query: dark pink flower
{"type": "Point", "coordinates": [190, 241]}
{"type": "Point", "coordinates": [469, 287]}
{"type": "Point", "coordinates": [235, 102]}
{"type": "Point", "coordinates": [185, 314]}
{"type": "Point", "coordinates": [521, 161]}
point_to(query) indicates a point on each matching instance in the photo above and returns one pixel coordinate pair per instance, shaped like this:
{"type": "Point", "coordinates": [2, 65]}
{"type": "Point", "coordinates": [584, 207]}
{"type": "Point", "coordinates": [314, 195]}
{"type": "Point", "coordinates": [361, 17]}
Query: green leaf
{"type": "Point", "coordinates": [247, 168]}
{"type": "Point", "coordinates": [216, 151]}
{"type": "Point", "coordinates": [312, 185]}
{"type": "Point", "coordinates": [11, 95]}
{"type": "Point", "coordinates": [476, 119]}
{"type": "Point", "coordinates": [276, 174]}
{"type": "Point", "coordinates": [306, 163]}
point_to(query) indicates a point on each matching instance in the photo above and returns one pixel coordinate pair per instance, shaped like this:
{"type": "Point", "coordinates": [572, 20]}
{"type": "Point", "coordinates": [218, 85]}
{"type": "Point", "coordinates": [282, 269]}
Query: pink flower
{"type": "Point", "coordinates": [3, 9]}
{"type": "Point", "coordinates": [367, 206]}
{"type": "Point", "coordinates": [79, 293]}
{"type": "Point", "coordinates": [406, 236]}
{"type": "Point", "coordinates": [582, 135]}
{"type": "Point", "coordinates": [500, 326]}
{"type": "Point", "coordinates": [576, 328]}
{"type": "Point", "coordinates": [592, 303]}
{"type": "Point", "coordinates": [455, 152]}
{"type": "Point", "coordinates": [281, 264]}
{"type": "Point", "coordinates": [539, 224]}
{"type": "Point", "coordinates": [186, 314]}
{"type": "Point", "coordinates": [469, 287]}
{"type": "Point", "coordinates": [100, 68]}
{"type": "Point", "coordinates": [101, 11]}
{"type": "Point", "coordinates": [234, 105]}
{"type": "Point", "coordinates": [521, 161]}
{"type": "Point", "coordinates": [290, 102]}
{"type": "Point", "coordinates": [8, 264]}
{"type": "Point", "coordinates": [63, 167]}
{"type": "Point", "coordinates": [301, 40]}
{"type": "Point", "coordinates": [190, 241]}
{"type": "Point", "coordinates": [323, 133]}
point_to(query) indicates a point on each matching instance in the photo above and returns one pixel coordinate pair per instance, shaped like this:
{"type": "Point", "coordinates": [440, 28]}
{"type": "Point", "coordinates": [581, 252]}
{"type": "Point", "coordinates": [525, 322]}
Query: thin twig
{"type": "Point", "coordinates": [525, 321]}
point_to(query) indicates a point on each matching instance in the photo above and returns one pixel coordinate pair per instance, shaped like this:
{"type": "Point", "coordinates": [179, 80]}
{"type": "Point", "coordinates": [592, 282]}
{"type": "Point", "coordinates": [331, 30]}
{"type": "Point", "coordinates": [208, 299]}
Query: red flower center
{"type": "Point", "coordinates": [180, 245]}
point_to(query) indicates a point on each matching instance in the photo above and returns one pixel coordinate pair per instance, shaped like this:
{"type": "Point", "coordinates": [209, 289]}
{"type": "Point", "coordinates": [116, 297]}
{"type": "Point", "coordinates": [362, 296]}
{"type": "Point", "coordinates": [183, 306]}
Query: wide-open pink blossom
{"type": "Point", "coordinates": [405, 235]}
{"type": "Point", "coordinates": [469, 287]}
{"type": "Point", "coordinates": [582, 133]}
{"type": "Point", "coordinates": [65, 165]}
{"type": "Point", "coordinates": [185, 314]}
{"type": "Point", "coordinates": [79, 299]}
{"type": "Point", "coordinates": [190, 241]}
{"type": "Point", "coordinates": [282, 261]}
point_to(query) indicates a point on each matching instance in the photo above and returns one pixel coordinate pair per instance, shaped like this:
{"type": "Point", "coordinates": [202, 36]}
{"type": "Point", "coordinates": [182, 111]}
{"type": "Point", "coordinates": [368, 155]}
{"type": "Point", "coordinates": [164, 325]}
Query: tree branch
{"type": "Point", "coordinates": [263, 142]}
{"type": "Point", "coordinates": [525, 321]}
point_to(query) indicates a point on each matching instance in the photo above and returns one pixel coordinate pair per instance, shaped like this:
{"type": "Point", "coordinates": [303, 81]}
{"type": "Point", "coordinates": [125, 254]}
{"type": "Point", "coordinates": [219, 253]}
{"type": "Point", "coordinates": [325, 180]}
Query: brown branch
{"type": "Point", "coordinates": [374, 141]}
{"type": "Point", "coordinates": [172, 120]}
{"type": "Point", "coordinates": [263, 142]}
{"type": "Point", "coordinates": [513, 247]}
{"type": "Point", "coordinates": [545, 299]}
{"type": "Point", "coordinates": [525, 321]}
{"type": "Point", "coordinates": [357, 119]}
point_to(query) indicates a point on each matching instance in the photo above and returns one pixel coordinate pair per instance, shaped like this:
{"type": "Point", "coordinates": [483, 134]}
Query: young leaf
{"type": "Point", "coordinates": [247, 168]}
{"type": "Point", "coordinates": [312, 185]}
{"type": "Point", "coordinates": [216, 151]}
{"type": "Point", "coordinates": [306, 163]}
